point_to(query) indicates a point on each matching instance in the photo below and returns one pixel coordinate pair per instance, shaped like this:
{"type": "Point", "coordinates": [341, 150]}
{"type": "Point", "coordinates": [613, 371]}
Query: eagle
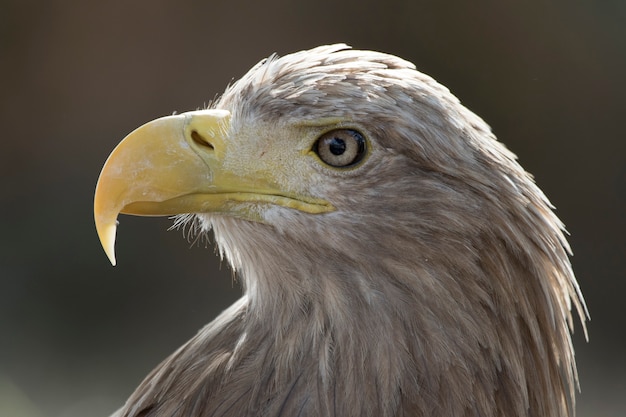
{"type": "Point", "coordinates": [395, 258]}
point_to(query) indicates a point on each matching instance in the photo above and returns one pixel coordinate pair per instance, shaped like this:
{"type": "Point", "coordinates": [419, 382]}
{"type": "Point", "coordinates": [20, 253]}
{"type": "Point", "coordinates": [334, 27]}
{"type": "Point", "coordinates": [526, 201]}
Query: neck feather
{"type": "Point", "coordinates": [455, 341]}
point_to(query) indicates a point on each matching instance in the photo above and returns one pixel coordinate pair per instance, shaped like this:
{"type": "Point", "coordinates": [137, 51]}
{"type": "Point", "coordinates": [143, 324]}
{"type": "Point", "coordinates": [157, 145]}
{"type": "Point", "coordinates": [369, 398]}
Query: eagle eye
{"type": "Point", "coordinates": [340, 148]}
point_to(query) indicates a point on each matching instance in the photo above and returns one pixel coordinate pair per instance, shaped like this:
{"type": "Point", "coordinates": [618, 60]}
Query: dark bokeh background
{"type": "Point", "coordinates": [77, 335]}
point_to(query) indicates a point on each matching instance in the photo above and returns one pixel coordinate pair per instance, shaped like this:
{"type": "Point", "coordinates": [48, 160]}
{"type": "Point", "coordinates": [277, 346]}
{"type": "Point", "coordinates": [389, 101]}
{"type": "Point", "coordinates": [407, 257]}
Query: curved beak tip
{"type": "Point", "coordinates": [107, 239]}
{"type": "Point", "coordinates": [111, 256]}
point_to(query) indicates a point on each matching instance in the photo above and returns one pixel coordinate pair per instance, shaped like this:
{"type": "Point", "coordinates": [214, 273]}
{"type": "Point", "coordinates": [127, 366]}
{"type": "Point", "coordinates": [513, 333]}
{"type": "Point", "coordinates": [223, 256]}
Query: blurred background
{"type": "Point", "coordinates": [77, 335]}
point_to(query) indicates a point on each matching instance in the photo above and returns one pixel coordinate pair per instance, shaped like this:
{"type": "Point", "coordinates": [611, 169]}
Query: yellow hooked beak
{"type": "Point", "coordinates": [175, 165]}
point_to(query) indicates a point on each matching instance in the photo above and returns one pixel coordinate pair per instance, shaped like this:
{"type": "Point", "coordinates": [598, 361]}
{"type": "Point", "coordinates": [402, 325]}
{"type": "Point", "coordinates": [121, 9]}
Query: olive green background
{"type": "Point", "coordinates": [77, 335]}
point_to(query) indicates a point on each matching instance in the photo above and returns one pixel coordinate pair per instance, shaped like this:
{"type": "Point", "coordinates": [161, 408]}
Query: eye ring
{"type": "Point", "coordinates": [340, 148]}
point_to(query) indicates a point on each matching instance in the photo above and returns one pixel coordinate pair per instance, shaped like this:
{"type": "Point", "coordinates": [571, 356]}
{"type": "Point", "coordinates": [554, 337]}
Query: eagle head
{"type": "Point", "coordinates": [396, 259]}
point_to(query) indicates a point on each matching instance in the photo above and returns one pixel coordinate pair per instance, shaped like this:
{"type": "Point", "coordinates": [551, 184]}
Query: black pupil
{"type": "Point", "coordinates": [337, 146]}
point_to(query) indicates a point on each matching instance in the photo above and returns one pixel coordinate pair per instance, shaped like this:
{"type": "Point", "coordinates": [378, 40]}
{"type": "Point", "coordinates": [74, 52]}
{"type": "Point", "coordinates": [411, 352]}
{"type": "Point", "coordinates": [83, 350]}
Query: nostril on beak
{"type": "Point", "coordinates": [201, 140]}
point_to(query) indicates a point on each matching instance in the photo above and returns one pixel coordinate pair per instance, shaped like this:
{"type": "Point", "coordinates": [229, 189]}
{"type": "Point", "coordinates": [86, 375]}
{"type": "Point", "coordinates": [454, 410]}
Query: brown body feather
{"type": "Point", "coordinates": [440, 286]}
